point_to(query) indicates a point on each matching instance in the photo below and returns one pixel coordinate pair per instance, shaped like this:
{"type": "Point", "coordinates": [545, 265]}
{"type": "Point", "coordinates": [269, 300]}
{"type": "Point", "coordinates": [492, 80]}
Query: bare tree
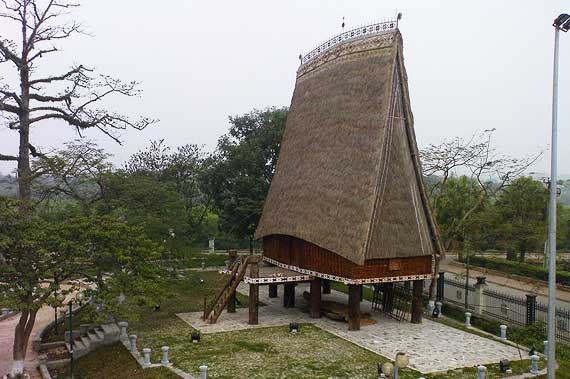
{"type": "Point", "coordinates": [478, 159]}
{"type": "Point", "coordinates": [72, 97]}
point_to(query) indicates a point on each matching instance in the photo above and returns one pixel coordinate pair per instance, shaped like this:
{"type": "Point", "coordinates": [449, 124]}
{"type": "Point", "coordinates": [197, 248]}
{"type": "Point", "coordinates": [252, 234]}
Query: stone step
{"type": "Point", "coordinates": [86, 342]}
{"type": "Point", "coordinates": [99, 332]}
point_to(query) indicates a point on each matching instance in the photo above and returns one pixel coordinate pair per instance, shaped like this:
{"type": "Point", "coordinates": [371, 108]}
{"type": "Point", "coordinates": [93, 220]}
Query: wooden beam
{"type": "Point", "coordinates": [326, 286]}
{"type": "Point", "coordinates": [418, 287]}
{"type": "Point", "coordinates": [353, 307]}
{"type": "Point", "coordinates": [231, 307]}
{"type": "Point", "coordinates": [272, 291]}
{"type": "Point", "coordinates": [315, 306]}
{"type": "Point", "coordinates": [254, 295]}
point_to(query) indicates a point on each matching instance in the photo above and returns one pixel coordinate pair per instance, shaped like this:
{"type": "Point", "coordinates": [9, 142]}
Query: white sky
{"type": "Point", "coordinates": [471, 66]}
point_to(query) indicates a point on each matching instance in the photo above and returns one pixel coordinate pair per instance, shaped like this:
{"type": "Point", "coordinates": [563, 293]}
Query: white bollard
{"type": "Point", "coordinates": [503, 332]}
{"type": "Point", "coordinates": [4, 311]}
{"type": "Point", "coordinates": [468, 319]}
{"type": "Point", "coordinates": [546, 350]}
{"type": "Point", "coordinates": [438, 305]}
{"type": "Point", "coordinates": [481, 372]}
{"type": "Point", "coordinates": [133, 339]}
{"type": "Point", "coordinates": [123, 325]}
{"type": "Point", "coordinates": [534, 364]}
{"type": "Point", "coordinates": [164, 360]}
{"type": "Point", "coordinates": [203, 372]}
{"type": "Point", "coordinates": [146, 353]}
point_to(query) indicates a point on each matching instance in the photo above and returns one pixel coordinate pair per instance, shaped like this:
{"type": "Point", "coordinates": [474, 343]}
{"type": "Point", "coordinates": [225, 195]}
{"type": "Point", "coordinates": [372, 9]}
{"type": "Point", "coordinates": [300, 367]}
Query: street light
{"type": "Point", "coordinates": [78, 299]}
{"type": "Point", "coordinates": [59, 297]}
{"type": "Point", "coordinates": [562, 22]}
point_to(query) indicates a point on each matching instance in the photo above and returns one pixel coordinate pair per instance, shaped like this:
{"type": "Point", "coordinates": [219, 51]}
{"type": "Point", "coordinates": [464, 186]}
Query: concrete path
{"type": "Point", "coordinates": [433, 347]}
{"type": "Point", "coordinates": [44, 316]}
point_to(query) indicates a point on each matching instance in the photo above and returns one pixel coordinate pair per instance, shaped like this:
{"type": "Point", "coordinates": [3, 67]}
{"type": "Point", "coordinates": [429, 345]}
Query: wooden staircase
{"type": "Point", "coordinates": [237, 271]}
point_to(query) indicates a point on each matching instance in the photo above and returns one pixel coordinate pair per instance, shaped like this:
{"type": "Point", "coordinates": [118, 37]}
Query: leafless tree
{"type": "Point", "coordinates": [476, 158]}
{"type": "Point", "coordinates": [73, 97]}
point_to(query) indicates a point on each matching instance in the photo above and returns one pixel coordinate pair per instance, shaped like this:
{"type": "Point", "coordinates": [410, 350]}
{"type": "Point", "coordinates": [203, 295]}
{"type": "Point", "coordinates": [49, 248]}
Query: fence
{"type": "Point", "coordinates": [499, 306]}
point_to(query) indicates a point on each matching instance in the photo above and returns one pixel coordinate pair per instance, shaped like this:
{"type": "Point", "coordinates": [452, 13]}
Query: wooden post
{"type": "Point", "coordinates": [253, 294]}
{"type": "Point", "coordinates": [353, 307]}
{"type": "Point", "coordinates": [231, 307]}
{"type": "Point", "coordinates": [315, 307]}
{"type": "Point", "coordinates": [418, 287]}
{"type": "Point", "coordinates": [326, 286]}
{"type": "Point", "coordinates": [388, 297]}
{"type": "Point", "coordinates": [272, 291]}
{"type": "Point", "coordinates": [289, 295]}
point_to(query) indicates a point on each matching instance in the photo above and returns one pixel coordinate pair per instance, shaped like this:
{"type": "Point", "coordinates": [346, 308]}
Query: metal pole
{"type": "Point", "coordinates": [552, 220]}
{"type": "Point", "coordinates": [71, 339]}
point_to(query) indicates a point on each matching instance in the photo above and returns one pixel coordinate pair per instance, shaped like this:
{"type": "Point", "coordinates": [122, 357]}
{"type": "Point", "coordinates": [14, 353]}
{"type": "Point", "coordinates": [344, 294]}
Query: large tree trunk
{"type": "Point", "coordinates": [21, 337]}
{"type": "Point", "coordinates": [433, 283]}
{"type": "Point", "coordinates": [24, 170]}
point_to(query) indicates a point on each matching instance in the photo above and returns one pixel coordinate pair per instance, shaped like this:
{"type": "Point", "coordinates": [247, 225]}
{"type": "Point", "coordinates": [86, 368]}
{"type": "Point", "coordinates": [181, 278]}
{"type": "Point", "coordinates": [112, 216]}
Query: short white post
{"type": "Point", "coordinates": [430, 307]}
{"type": "Point", "coordinates": [123, 325]}
{"type": "Point", "coordinates": [468, 319]}
{"type": "Point", "coordinates": [164, 360]}
{"type": "Point", "coordinates": [534, 364]}
{"type": "Point", "coordinates": [438, 305]}
{"type": "Point", "coordinates": [133, 339]}
{"type": "Point", "coordinates": [203, 372]}
{"type": "Point", "coordinates": [146, 353]}
{"type": "Point", "coordinates": [503, 332]}
{"type": "Point", "coordinates": [546, 349]}
{"type": "Point", "coordinates": [481, 372]}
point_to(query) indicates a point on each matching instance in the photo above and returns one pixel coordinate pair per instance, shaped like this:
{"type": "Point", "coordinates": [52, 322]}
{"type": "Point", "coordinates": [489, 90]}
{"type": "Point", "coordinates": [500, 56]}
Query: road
{"type": "Point", "coordinates": [507, 284]}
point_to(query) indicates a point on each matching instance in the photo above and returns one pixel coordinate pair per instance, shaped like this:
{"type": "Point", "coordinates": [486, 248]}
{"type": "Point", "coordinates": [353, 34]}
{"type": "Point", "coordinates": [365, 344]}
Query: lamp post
{"type": "Point", "coordinates": [59, 297]}
{"type": "Point", "coordinates": [78, 299]}
{"type": "Point", "coordinates": [562, 22]}
{"type": "Point", "coordinates": [401, 361]}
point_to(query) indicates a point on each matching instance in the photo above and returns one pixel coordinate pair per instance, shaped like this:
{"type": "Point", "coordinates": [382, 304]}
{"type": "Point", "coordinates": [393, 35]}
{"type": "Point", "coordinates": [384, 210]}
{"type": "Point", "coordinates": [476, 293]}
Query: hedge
{"type": "Point", "coordinates": [519, 268]}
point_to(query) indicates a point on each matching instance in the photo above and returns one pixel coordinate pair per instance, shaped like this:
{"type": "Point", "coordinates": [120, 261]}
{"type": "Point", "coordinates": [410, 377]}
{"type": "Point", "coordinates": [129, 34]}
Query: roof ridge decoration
{"type": "Point", "coordinates": [350, 35]}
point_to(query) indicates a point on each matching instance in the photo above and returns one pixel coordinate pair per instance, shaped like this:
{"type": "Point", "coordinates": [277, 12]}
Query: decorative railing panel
{"type": "Point", "coordinates": [352, 34]}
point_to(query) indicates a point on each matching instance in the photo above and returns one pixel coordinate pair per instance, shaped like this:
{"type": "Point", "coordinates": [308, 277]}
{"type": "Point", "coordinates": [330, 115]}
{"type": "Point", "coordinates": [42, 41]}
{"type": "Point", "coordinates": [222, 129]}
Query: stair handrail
{"type": "Point", "coordinates": [239, 277]}
{"type": "Point", "coordinates": [233, 269]}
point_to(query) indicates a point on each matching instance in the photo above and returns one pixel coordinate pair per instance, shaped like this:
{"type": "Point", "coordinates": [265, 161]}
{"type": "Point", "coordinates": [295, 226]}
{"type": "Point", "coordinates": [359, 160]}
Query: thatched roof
{"type": "Point", "coordinates": [348, 177]}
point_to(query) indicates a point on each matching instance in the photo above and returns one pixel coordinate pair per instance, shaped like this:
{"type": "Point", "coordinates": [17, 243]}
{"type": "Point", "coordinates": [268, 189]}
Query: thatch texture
{"type": "Point", "coordinates": [348, 177]}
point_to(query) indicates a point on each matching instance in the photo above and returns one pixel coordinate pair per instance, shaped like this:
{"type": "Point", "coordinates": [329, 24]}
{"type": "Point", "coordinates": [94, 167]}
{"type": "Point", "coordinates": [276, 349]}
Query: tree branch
{"type": "Point", "coordinates": [8, 158]}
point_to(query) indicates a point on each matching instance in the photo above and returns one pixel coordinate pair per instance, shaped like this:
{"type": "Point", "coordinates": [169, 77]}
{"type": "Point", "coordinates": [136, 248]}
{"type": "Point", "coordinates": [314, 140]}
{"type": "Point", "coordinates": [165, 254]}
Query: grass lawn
{"type": "Point", "coordinates": [113, 361]}
{"type": "Point", "coordinates": [272, 352]}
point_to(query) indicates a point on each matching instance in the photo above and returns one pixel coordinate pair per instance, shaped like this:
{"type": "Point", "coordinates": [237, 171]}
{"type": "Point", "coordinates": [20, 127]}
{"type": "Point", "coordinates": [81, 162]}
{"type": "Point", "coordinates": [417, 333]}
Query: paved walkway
{"type": "Point", "coordinates": [432, 346]}
{"type": "Point", "coordinates": [44, 316]}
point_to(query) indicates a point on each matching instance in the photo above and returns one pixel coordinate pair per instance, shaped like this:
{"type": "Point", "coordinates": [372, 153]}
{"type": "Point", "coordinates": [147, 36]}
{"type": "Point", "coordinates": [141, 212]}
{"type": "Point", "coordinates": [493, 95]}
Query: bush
{"type": "Point", "coordinates": [519, 268]}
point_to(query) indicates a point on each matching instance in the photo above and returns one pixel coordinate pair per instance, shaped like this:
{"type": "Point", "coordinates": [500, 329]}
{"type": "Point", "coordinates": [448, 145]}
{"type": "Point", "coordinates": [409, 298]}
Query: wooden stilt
{"type": "Point", "coordinates": [418, 286]}
{"type": "Point", "coordinates": [315, 308]}
{"type": "Point", "coordinates": [388, 300]}
{"type": "Point", "coordinates": [231, 307]}
{"type": "Point", "coordinates": [326, 283]}
{"type": "Point", "coordinates": [353, 307]}
{"type": "Point", "coordinates": [289, 295]}
{"type": "Point", "coordinates": [272, 290]}
{"type": "Point", "coordinates": [253, 295]}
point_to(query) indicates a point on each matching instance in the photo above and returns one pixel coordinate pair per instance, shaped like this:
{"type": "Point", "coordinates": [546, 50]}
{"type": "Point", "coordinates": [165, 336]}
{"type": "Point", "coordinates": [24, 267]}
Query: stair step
{"type": "Point", "coordinates": [94, 337]}
{"type": "Point", "coordinates": [99, 332]}
{"type": "Point", "coordinates": [78, 345]}
{"type": "Point", "coordinates": [85, 340]}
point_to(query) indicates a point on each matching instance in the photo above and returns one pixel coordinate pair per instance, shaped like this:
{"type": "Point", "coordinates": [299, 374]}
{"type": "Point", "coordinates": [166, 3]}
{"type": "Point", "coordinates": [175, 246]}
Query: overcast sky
{"type": "Point", "coordinates": [471, 66]}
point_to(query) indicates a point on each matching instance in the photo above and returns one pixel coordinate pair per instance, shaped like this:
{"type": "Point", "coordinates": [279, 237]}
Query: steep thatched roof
{"type": "Point", "coordinates": [348, 177]}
